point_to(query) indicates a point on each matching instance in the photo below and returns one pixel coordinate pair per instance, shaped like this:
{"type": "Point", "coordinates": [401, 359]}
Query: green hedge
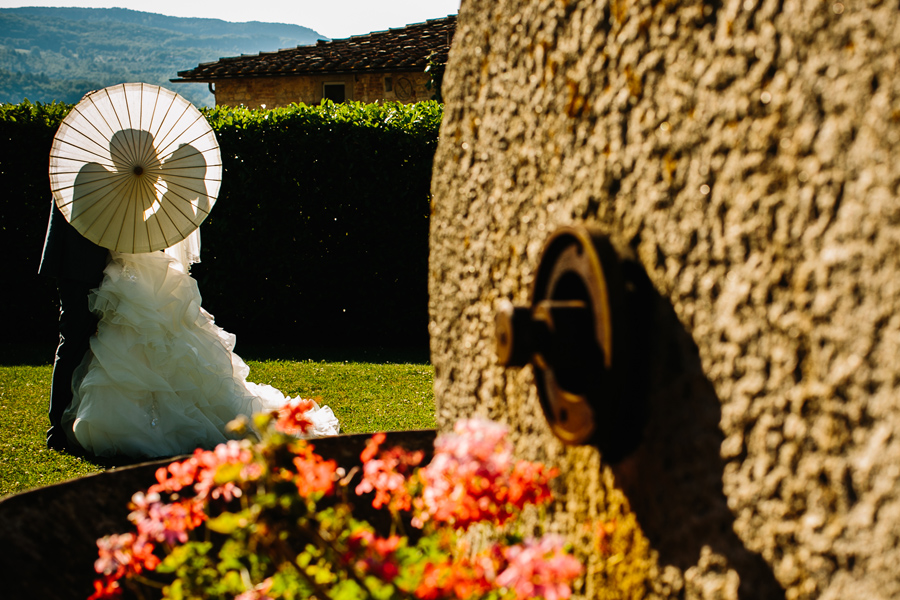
{"type": "Point", "coordinates": [319, 236]}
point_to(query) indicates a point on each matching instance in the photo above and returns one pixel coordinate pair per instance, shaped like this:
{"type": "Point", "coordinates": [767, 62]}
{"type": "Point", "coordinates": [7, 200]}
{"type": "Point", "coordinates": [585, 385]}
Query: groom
{"type": "Point", "coordinates": [77, 264]}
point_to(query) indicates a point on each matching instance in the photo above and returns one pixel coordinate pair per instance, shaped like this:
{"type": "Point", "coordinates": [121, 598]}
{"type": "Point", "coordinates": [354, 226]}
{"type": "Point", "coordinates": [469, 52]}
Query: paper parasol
{"type": "Point", "coordinates": [135, 168]}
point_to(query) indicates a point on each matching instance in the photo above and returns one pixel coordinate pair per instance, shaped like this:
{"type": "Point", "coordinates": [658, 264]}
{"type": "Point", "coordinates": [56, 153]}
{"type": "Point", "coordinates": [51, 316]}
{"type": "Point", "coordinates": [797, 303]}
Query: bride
{"type": "Point", "coordinates": [161, 379]}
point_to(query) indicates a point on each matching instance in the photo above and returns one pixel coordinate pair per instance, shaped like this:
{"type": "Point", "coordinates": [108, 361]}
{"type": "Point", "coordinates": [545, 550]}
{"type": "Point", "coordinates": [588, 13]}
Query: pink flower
{"type": "Point", "coordinates": [372, 446]}
{"type": "Point", "coordinates": [529, 484]}
{"type": "Point", "coordinates": [387, 475]}
{"type": "Point", "coordinates": [168, 522]}
{"type": "Point", "coordinates": [201, 471]}
{"type": "Point", "coordinates": [472, 478]}
{"type": "Point", "coordinates": [374, 555]}
{"type": "Point", "coordinates": [462, 578]}
{"type": "Point", "coordinates": [539, 568]}
{"type": "Point", "coordinates": [140, 505]}
{"type": "Point", "coordinates": [315, 475]}
{"type": "Point", "coordinates": [291, 418]}
{"type": "Point", "coordinates": [115, 553]}
{"type": "Point", "coordinates": [477, 440]}
{"type": "Point", "coordinates": [175, 476]}
{"type": "Point", "coordinates": [208, 475]}
{"type": "Point", "coordinates": [121, 556]}
{"type": "Point", "coordinates": [106, 588]}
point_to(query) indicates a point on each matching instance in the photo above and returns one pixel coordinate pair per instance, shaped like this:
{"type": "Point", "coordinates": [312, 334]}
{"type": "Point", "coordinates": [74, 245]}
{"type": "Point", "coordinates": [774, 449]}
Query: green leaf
{"type": "Point", "coordinates": [228, 473]}
{"type": "Point", "coordinates": [182, 555]}
{"type": "Point", "coordinates": [175, 591]}
{"type": "Point", "coordinates": [228, 522]}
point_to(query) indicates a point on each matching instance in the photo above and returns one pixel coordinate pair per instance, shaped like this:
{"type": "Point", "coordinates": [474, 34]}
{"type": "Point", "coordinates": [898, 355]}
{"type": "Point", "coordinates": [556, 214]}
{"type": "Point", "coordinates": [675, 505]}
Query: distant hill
{"type": "Point", "coordinates": [60, 54]}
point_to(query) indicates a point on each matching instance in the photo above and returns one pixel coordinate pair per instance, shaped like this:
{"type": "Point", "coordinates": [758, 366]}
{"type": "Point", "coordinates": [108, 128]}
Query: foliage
{"type": "Point", "coordinates": [62, 53]}
{"type": "Point", "coordinates": [26, 135]}
{"type": "Point", "coordinates": [320, 231]}
{"type": "Point", "coordinates": [435, 71]}
{"type": "Point", "coordinates": [323, 219]}
{"type": "Point", "coordinates": [267, 520]}
{"type": "Point", "coordinates": [366, 397]}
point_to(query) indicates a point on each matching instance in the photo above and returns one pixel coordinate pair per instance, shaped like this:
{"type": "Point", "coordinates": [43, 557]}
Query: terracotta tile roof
{"type": "Point", "coordinates": [405, 49]}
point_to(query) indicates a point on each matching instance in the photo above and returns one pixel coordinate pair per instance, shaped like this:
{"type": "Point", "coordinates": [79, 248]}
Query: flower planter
{"type": "Point", "coordinates": [49, 534]}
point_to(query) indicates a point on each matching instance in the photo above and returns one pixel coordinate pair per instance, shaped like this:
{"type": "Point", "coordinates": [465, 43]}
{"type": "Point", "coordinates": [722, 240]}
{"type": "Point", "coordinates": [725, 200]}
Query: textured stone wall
{"type": "Point", "coordinates": [273, 92]}
{"type": "Point", "coordinates": [269, 91]}
{"type": "Point", "coordinates": [748, 151]}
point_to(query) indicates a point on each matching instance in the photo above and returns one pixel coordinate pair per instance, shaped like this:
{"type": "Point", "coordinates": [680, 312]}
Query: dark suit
{"type": "Point", "coordinates": [77, 265]}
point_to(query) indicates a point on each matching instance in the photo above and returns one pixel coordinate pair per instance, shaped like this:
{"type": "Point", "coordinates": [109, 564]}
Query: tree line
{"type": "Point", "coordinates": [60, 54]}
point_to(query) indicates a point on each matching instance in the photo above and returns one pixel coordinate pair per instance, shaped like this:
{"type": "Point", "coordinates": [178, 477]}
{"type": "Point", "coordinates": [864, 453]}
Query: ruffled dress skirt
{"type": "Point", "coordinates": [161, 378]}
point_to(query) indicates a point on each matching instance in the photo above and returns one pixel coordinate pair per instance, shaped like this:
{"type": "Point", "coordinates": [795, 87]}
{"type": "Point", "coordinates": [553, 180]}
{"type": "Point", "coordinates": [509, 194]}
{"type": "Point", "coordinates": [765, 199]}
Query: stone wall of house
{"type": "Point", "coordinates": [747, 151]}
{"type": "Point", "coordinates": [405, 87]}
{"type": "Point", "coordinates": [265, 91]}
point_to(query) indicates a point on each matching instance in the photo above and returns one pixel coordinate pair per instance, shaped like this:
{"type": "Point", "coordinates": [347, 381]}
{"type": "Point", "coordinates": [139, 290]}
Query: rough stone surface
{"type": "Point", "coordinates": [746, 150]}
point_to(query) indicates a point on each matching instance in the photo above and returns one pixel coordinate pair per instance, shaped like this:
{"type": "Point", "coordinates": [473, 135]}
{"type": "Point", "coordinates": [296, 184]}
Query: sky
{"type": "Point", "coordinates": [331, 18]}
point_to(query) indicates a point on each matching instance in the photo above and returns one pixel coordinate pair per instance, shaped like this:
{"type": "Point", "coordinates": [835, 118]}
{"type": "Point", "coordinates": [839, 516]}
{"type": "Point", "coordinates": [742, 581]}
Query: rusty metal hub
{"type": "Point", "coordinates": [580, 337]}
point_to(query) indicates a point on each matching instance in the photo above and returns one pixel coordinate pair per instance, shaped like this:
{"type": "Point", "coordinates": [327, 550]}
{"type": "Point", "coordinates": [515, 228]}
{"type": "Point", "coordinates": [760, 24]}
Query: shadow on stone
{"type": "Point", "coordinates": [673, 480]}
{"type": "Point", "coordinates": [48, 535]}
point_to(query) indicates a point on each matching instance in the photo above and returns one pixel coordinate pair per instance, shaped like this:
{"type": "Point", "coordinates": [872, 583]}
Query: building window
{"type": "Point", "coordinates": [334, 92]}
{"type": "Point", "coordinates": [388, 84]}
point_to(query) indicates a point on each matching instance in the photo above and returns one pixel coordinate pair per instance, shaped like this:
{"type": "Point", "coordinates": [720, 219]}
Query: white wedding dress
{"type": "Point", "coordinates": [161, 378]}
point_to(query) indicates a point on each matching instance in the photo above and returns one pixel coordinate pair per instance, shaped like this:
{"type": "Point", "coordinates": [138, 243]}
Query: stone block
{"type": "Point", "coordinates": [744, 150]}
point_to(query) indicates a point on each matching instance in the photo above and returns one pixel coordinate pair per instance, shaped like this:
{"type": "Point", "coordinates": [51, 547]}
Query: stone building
{"type": "Point", "coordinates": [379, 66]}
{"type": "Point", "coordinates": [745, 153]}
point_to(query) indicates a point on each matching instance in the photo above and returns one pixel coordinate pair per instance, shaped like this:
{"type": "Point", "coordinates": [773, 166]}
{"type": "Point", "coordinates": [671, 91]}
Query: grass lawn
{"type": "Point", "coordinates": [366, 397]}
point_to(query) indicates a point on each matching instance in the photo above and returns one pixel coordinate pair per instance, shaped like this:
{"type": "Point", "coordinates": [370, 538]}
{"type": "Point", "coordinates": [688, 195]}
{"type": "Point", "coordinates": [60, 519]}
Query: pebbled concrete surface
{"type": "Point", "coordinates": [747, 151]}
